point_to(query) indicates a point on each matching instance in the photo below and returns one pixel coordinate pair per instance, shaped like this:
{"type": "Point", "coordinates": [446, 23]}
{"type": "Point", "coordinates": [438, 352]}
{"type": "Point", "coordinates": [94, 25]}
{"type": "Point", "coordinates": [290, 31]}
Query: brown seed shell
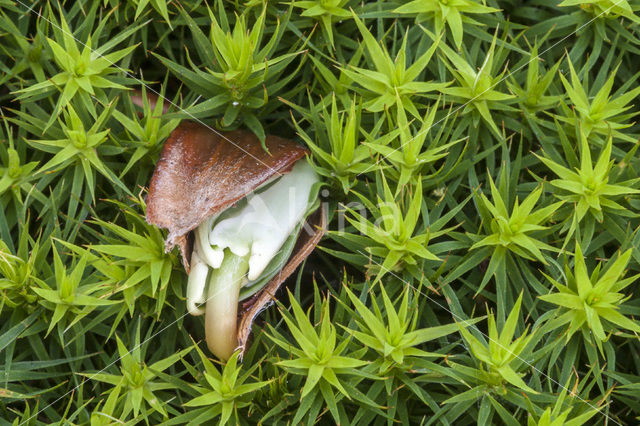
{"type": "Point", "coordinates": [201, 173]}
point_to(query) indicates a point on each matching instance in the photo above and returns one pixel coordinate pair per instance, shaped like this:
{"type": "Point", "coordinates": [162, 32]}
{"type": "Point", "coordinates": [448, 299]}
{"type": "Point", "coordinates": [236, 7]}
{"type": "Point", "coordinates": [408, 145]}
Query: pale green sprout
{"type": "Point", "coordinates": [138, 380]}
{"type": "Point", "coordinates": [320, 355]}
{"type": "Point", "coordinates": [84, 73]}
{"type": "Point", "coordinates": [80, 147]}
{"type": "Point", "coordinates": [72, 298]}
{"type": "Point", "coordinates": [611, 9]}
{"type": "Point", "coordinates": [18, 273]}
{"type": "Point", "coordinates": [510, 230]}
{"type": "Point", "coordinates": [502, 354]}
{"type": "Point", "coordinates": [533, 95]}
{"type": "Point", "coordinates": [225, 392]}
{"type": "Point", "coordinates": [146, 133]}
{"type": "Point", "coordinates": [559, 414]}
{"type": "Point", "coordinates": [588, 299]}
{"type": "Point", "coordinates": [325, 11]}
{"type": "Point", "coordinates": [339, 154]}
{"type": "Point", "coordinates": [237, 248]}
{"type": "Point", "coordinates": [395, 336]}
{"type": "Point", "coordinates": [236, 72]}
{"type": "Point", "coordinates": [14, 176]}
{"type": "Point", "coordinates": [588, 187]}
{"type": "Point", "coordinates": [599, 114]}
{"type": "Point", "coordinates": [476, 89]}
{"type": "Point", "coordinates": [413, 156]}
{"type": "Point", "coordinates": [159, 5]}
{"type": "Point", "coordinates": [392, 83]}
{"type": "Point", "coordinates": [449, 12]}
{"type": "Point", "coordinates": [391, 237]}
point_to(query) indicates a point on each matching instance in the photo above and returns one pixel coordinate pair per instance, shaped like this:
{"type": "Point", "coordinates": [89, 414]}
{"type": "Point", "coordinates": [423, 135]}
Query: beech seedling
{"type": "Point", "coordinates": [237, 212]}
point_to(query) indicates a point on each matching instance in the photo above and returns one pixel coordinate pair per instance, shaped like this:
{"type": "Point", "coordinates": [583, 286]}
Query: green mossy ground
{"type": "Point", "coordinates": [483, 194]}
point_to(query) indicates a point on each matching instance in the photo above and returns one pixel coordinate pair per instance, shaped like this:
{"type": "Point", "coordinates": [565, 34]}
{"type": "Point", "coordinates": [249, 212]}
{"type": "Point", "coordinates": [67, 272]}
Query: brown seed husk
{"type": "Point", "coordinates": [201, 173]}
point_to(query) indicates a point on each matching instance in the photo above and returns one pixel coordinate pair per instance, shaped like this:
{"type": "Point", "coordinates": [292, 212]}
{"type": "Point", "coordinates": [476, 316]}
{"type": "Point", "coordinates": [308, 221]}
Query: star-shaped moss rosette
{"type": "Point", "coordinates": [237, 213]}
{"type": "Point", "coordinates": [610, 9]}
